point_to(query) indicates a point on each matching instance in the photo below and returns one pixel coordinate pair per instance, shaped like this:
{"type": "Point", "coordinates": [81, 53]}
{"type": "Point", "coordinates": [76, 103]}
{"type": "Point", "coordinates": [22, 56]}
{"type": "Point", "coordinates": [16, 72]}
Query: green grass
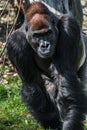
{"type": "Point", "coordinates": [85, 126]}
{"type": "Point", "coordinates": [13, 113]}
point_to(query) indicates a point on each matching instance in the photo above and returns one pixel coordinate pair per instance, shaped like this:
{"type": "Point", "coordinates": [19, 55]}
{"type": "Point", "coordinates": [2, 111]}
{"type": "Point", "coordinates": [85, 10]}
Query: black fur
{"type": "Point", "coordinates": [63, 107]}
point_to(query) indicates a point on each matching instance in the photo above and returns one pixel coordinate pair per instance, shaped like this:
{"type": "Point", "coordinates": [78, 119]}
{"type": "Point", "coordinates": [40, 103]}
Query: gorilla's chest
{"type": "Point", "coordinates": [50, 86]}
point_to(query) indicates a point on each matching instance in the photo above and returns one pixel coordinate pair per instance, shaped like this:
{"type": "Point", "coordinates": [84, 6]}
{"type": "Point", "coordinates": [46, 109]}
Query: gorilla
{"type": "Point", "coordinates": [45, 51]}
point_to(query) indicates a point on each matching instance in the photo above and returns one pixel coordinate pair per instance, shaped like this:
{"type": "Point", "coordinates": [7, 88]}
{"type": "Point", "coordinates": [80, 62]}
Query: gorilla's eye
{"type": "Point", "coordinates": [53, 21]}
{"type": "Point", "coordinates": [36, 35]}
{"type": "Point", "coordinates": [49, 32]}
{"type": "Point", "coordinates": [26, 28]}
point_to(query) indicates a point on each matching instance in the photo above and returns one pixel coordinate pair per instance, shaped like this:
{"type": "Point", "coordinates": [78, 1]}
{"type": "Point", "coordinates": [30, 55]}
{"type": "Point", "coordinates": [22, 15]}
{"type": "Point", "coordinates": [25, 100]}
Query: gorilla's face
{"type": "Point", "coordinates": [41, 35]}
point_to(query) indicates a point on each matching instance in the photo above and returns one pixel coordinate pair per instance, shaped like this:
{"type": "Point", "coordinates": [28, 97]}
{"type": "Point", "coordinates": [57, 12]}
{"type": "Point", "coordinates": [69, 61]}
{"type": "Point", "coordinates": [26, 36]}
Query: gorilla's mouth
{"type": "Point", "coordinates": [44, 55]}
{"type": "Point", "coordinates": [47, 53]}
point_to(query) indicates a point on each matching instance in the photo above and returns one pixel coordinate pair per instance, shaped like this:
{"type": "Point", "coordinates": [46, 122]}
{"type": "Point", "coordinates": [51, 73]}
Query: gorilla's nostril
{"type": "Point", "coordinates": [45, 45]}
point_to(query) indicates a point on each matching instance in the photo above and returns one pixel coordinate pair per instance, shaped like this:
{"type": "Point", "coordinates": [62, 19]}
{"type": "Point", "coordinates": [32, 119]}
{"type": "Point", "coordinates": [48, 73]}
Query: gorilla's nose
{"type": "Point", "coordinates": [44, 45]}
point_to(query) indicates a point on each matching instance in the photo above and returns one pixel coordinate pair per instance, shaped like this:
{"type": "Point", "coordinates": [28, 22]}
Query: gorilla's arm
{"type": "Point", "coordinates": [72, 102]}
{"type": "Point", "coordinates": [33, 90]}
{"type": "Point", "coordinates": [21, 55]}
{"type": "Point", "coordinates": [70, 98]}
{"type": "Point", "coordinates": [67, 50]}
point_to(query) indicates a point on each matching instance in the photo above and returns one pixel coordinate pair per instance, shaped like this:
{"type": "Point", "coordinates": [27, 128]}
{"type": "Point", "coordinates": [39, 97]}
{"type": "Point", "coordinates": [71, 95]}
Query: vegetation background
{"type": "Point", "coordinates": [13, 113]}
